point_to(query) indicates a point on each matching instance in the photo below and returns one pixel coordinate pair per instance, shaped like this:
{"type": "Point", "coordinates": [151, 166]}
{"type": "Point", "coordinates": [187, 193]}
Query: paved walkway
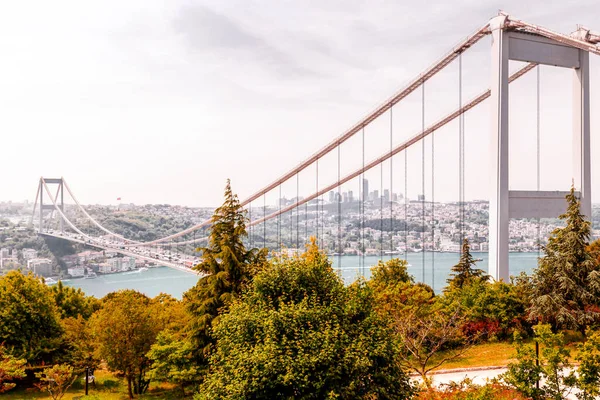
{"type": "Point", "coordinates": [477, 375]}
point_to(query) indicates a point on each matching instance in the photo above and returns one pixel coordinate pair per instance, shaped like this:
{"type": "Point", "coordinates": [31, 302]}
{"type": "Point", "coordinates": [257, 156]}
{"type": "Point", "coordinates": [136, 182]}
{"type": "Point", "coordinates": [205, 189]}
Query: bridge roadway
{"type": "Point", "coordinates": [129, 252]}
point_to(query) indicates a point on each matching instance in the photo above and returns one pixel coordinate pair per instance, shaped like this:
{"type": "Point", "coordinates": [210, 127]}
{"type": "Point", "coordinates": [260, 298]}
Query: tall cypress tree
{"type": "Point", "coordinates": [566, 284]}
{"type": "Point", "coordinates": [464, 272]}
{"type": "Point", "coordinates": [227, 268]}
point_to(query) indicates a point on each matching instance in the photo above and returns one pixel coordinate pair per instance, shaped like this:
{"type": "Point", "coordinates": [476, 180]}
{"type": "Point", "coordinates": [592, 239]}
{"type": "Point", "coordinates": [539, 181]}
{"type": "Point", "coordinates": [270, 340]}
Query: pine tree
{"type": "Point", "coordinates": [227, 268]}
{"type": "Point", "coordinates": [464, 272]}
{"type": "Point", "coordinates": [566, 284]}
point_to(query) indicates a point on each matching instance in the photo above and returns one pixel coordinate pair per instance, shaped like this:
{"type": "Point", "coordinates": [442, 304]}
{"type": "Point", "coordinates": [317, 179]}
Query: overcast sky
{"type": "Point", "coordinates": [162, 101]}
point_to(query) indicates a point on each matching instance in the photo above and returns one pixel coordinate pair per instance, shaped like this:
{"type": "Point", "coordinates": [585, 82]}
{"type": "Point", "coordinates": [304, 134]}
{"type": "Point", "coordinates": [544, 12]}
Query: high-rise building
{"type": "Point", "coordinates": [395, 197]}
{"type": "Point", "coordinates": [386, 195]}
{"type": "Point", "coordinates": [345, 197]}
{"type": "Point", "coordinates": [375, 195]}
{"type": "Point", "coordinates": [350, 196]}
{"type": "Point", "coordinates": [332, 196]}
{"type": "Point", "coordinates": [365, 190]}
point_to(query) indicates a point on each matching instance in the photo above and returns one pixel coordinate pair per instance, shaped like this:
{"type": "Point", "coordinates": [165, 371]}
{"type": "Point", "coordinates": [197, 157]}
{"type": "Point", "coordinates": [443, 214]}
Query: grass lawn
{"type": "Point", "coordinates": [483, 355]}
{"type": "Point", "coordinates": [494, 354]}
{"type": "Point", "coordinates": [108, 387]}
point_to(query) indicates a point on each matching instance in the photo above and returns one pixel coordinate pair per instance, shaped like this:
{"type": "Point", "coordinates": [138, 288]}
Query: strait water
{"type": "Point", "coordinates": [433, 271]}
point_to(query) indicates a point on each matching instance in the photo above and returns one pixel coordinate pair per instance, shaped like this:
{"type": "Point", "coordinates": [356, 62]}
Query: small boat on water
{"type": "Point", "coordinates": [50, 281]}
{"type": "Point", "coordinates": [90, 275]}
{"type": "Point", "coordinates": [142, 269]}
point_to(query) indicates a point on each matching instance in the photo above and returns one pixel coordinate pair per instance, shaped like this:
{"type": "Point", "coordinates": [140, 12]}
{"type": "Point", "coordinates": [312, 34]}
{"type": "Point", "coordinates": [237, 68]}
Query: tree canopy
{"type": "Point", "coordinates": [300, 333]}
{"type": "Point", "coordinates": [227, 268]}
{"type": "Point", "coordinates": [124, 329]}
{"type": "Point", "coordinates": [29, 319]}
{"type": "Point", "coordinates": [465, 272]}
{"type": "Point", "coordinates": [566, 283]}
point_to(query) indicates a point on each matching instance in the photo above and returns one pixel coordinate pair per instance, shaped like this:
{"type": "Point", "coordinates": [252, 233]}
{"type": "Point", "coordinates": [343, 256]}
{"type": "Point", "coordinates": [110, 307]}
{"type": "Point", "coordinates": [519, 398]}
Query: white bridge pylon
{"type": "Point", "coordinates": [508, 44]}
{"type": "Point", "coordinates": [512, 39]}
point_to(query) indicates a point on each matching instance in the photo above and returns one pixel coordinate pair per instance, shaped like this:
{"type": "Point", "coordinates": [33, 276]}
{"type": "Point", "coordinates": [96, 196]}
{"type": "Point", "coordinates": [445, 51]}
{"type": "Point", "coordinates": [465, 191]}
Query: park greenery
{"type": "Point", "coordinates": [286, 326]}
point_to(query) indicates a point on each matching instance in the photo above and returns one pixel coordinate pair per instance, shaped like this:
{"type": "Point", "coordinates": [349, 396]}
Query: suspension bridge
{"type": "Point", "coordinates": [305, 213]}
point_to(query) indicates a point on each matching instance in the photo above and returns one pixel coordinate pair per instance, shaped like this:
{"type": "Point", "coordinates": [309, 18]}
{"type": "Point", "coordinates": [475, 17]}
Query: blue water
{"type": "Point", "coordinates": [175, 282]}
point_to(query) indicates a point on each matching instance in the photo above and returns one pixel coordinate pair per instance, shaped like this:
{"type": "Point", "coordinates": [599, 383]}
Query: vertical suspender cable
{"type": "Point", "coordinates": [279, 220]}
{"type": "Point", "coordinates": [264, 220]}
{"type": "Point", "coordinates": [538, 170]}
{"type": "Point", "coordinates": [250, 223]}
{"type": "Point", "coordinates": [423, 180]}
{"type": "Point", "coordinates": [362, 207]}
{"type": "Point", "coordinates": [391, 196]}
{"type": "Point", "coordinates": [297, 211]}
{"type": "Point", "coordinates": [317, 202]}
{"type": "Point", "coordinates": [305, 221]}
{"type": "Point", "coordinates": [406, 204]}
{"type": "Point", "coordinates": [460, 155]}
{"type": "Point", "coordinates": [339, 199]}
{"type": "Point", "coordinates": [381, 213]}
{"type": "Point", "coordinates": [433, 211]}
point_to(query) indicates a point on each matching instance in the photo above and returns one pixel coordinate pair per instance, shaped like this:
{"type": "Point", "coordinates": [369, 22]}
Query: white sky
{"type": "Point", "coordinates": [161, 102]}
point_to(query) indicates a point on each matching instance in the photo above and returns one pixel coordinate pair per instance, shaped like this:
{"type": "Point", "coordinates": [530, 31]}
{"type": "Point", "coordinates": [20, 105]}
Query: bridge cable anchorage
{"type": "Point", "coordinates": [400, 95]}
{"type": "Point", "coordinates": [423, 230]}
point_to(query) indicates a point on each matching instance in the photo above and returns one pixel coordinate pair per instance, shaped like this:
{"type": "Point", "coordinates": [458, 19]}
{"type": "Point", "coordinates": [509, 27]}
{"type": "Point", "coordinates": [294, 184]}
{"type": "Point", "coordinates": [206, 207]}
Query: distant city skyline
{"type": "Point", "coordinates": [155, 102]}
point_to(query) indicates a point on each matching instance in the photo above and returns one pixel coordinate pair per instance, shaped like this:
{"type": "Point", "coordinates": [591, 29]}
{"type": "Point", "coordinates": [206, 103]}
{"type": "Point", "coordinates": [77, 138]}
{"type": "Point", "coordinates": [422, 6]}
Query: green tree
{"type": "Point", "coordinates": [124, 330]}
{"type": "Point", "coordinates": [227, 268]}
{"type": "Point", "coordinates": [494, 309]}
{"type": "Point", "coordinates": [553, 368]}
{"type": "Point", "coordinates": [566, 284]}
{"type": "Point", "coordinates": [73, 302]}
{"type": "Point", "coordinates": [588, 356]}
{"type": "Point", "coordinates": [56, 380]}
{"type": "Point", "coordinates": [29, 319]}
{"type": "Point", "coordinates": [390, 273]}
{"type": "Point", "coordinates": [300, 333]}
{"type": "Point", "coordinates": [78, 347]}
{"type": "Point", "coordinates": [172, 361]}
{"type": "Point", "coordinates": [11, 368]}
{"type": "Point", "coordinates": [464, 272]}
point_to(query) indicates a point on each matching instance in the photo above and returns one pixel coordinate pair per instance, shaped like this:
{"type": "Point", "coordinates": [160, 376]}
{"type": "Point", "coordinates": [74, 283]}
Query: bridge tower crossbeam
{"type": "Point", "coordinates": [504, 203]}
{"type": "Point", "coordinates": [39, 202]}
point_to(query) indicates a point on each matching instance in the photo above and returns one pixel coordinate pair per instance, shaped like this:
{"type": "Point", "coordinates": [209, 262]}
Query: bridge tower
{"type": "Point", "coordinates": [39, 200]}
{"type": "Point", "coordinates": [504, 203]}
